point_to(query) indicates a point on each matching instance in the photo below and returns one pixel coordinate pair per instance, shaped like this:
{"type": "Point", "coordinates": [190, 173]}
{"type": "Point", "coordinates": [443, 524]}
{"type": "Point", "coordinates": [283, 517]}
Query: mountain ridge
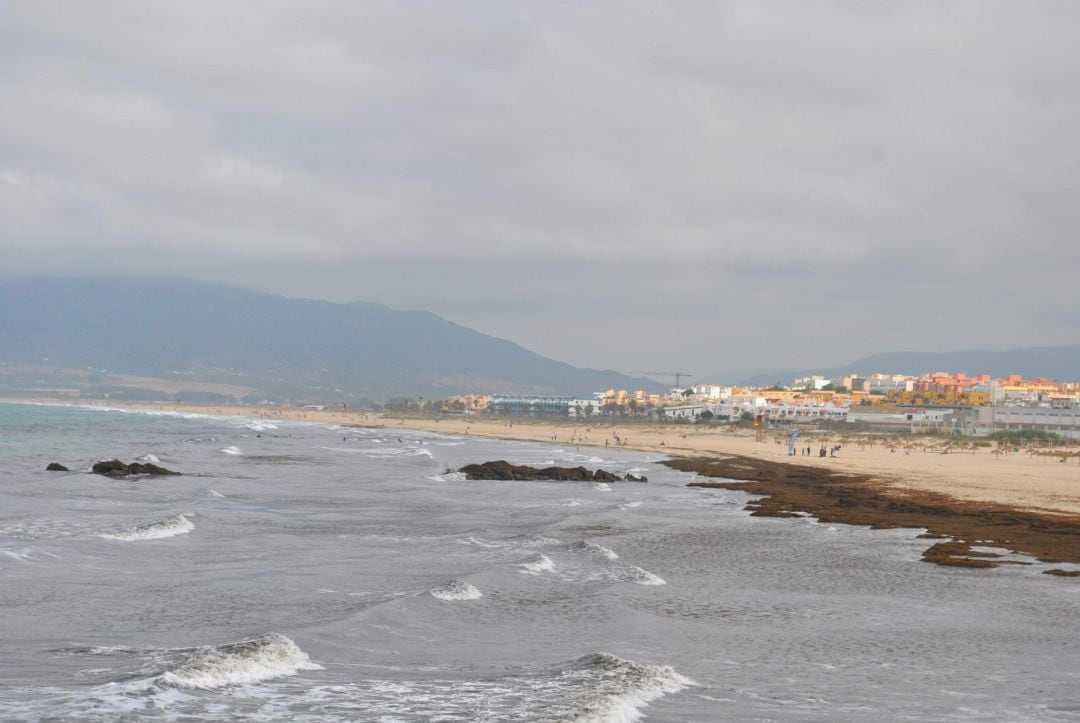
{"type": "Point", "coordinates": [280, 347]}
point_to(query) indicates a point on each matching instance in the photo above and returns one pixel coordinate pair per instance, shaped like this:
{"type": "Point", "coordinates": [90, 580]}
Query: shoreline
{"type": "Point", "coordinates": [959, 528]}
{"type": "Point", "coordinates": [1018, 502]}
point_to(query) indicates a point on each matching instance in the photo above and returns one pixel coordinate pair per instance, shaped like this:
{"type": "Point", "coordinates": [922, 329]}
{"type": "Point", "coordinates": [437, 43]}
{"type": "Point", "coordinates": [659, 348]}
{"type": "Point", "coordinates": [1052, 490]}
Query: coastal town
{"type": "Point", "coordinates": [937, 403]}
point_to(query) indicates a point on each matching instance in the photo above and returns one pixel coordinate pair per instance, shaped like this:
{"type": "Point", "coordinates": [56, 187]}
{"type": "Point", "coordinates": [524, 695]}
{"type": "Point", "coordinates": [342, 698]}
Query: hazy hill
{"type": "Point", "coordinates": [1057, 362]}
{"type": "Point", "coordinates": [206, 340]}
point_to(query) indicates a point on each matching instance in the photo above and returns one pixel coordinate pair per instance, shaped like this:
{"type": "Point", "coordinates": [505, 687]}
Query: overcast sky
{"type": "Point", "coordinates": [680, 186]}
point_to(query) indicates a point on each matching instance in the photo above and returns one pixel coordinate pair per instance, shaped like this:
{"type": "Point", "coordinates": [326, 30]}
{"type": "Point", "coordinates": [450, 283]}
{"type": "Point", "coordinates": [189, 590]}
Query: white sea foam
{"type": "Point", "coordinates": [602, 486]}
{"type": "Point", "coordinates": [536, 541]}
{"type": "Point", "coordinates": [630, 505]}
{"type": "Point", "coordinates": [231, 450]}
{"type": "Point", "coordinates": [249, 661]}
{"type": "Point", "coordinates": [397, 452]}
{"type": "Point", "coordinates": [537, 564]}
{"type": "Point", "coordinates": [572, 502]}
{"type": "Point", "coordinates": [169, 527]}
{"type": "Point", "coordinates": [43, 528]}
{"type": "Point", "coordinates": [622, 688]}
{"type": "Point", "coordinates": [257, 426]}
{"type": "Point", "coordinates": [644, 577]}
{"type": "Point", "coordinates": [152, 459]}
{"type": "Point", "coordinates": [470, 540]}
{"type": "Point", "coordinates": [28, 555]}
{"type": "Point", "coordinates": [595, 688]}
{"type": "Point", "coordinates": [456, 590]}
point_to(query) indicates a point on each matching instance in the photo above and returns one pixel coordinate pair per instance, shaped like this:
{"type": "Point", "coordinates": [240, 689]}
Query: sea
{"type": "Point", "coordinates": [312, 572]}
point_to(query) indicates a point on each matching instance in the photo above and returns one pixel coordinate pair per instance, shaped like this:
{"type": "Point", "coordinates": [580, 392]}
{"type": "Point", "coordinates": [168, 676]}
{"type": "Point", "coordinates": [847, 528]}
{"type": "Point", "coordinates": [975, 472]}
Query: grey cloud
{"type": "Point", "coordinates": [715, 185]}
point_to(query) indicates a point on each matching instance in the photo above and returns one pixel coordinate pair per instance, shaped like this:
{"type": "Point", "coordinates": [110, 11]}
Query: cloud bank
{"type": "Point", "coordinates": [691, 186]}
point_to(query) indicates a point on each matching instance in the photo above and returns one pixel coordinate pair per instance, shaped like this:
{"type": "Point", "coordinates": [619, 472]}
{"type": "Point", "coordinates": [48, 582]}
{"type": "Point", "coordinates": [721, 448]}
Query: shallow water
{"type": "Point", "coordinates": [306, 572]}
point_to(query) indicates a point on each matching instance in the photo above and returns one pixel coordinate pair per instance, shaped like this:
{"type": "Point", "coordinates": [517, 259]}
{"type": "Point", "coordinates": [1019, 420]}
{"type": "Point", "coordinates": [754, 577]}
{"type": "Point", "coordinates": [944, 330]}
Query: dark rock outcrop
{"type": "Point", "coordinates": [115, 468]}
{"type": "Point", "coordinates": [503, 470]}
{"type": "Point", "coordinates": [56, 467]}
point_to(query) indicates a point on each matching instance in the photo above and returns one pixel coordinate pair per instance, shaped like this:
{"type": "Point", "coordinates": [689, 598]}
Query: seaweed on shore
{"type": "Point", "coordinates": [789, 490]}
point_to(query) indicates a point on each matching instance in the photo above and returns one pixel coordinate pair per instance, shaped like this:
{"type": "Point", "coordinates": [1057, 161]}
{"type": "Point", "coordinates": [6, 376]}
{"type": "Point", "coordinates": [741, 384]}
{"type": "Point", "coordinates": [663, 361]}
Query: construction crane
{"type": "Point", "coordinates": [677, 375]}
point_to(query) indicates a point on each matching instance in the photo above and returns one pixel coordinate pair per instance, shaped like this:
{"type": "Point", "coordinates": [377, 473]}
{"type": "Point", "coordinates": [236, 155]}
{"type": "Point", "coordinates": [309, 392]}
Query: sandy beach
{"type": "Point", "coordinates": [1020, 480]}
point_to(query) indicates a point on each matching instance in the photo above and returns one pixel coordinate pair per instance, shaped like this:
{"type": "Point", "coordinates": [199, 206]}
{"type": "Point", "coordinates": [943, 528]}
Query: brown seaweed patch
{"type": "Point", "coordinates": [786, 489]}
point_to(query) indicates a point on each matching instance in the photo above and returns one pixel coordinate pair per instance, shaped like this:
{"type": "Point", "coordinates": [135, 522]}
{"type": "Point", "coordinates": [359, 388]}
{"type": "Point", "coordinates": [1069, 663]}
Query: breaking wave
{"type": "Point", "coordinates": [620, 688]}
{"type": "Point", "coordinates": [644, 577]}
{"type": "Point", "coordinates": [169, 527]}
{"type": "Point", "coordinates": [456, 590]}
{"type": "Point", "coordinates": [152, 459]}
{"type": "Point", "coordinates": [595, 549]}
{"type": "Point", "coordinates": [447, 477]}
{"type": "Point", "coordinates": [249, 661]}
{"type": "Point", "coordinates": [537, 564]}
{"type": "Point", "coordinates": [231, 450]}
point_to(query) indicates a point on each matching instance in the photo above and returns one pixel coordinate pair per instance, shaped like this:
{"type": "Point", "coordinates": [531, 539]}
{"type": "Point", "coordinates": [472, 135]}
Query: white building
{"type": "Point", "coordinates": [816, 383]}
{"type": "Point", "coordinates": [685, 411]}
{"type": "Point", "coordinates": [885, 383]}
{"type": "Point", "coordinates": [1065, 422]}
{"type": "Point", "coordinates": [586, 408]}
{"type": "Point", "coordinates": [711, 392]}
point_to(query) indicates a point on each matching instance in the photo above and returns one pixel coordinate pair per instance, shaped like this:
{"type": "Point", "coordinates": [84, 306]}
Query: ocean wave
{"type": "Point", "coordinates": [620, 689]}
{"type": "Point", "coordinates": [644, 577]}
{"type": "Point", "coordinates": [596, 688]}
{"type": "Point", "coordinates": [537, 564]}
{"type": "Point", "coordinates": [231, 450]}
{"type": "Point", "coordinates": [602, 486]}
{"type": "Point", "coordinates": [595, 549]}
{"type": "Point", "coordinates": [630, 505]}
{"type": "Point", "coordinates": [456, 590]}
{"type": "Point", "coordinates": [256, 426]}
{"type": "Point", "coordinates": [148, 458]}
{"type": "Point", "coordinates": [169, 527]}
{"type": "Point", "coordinates": [249, 661]}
